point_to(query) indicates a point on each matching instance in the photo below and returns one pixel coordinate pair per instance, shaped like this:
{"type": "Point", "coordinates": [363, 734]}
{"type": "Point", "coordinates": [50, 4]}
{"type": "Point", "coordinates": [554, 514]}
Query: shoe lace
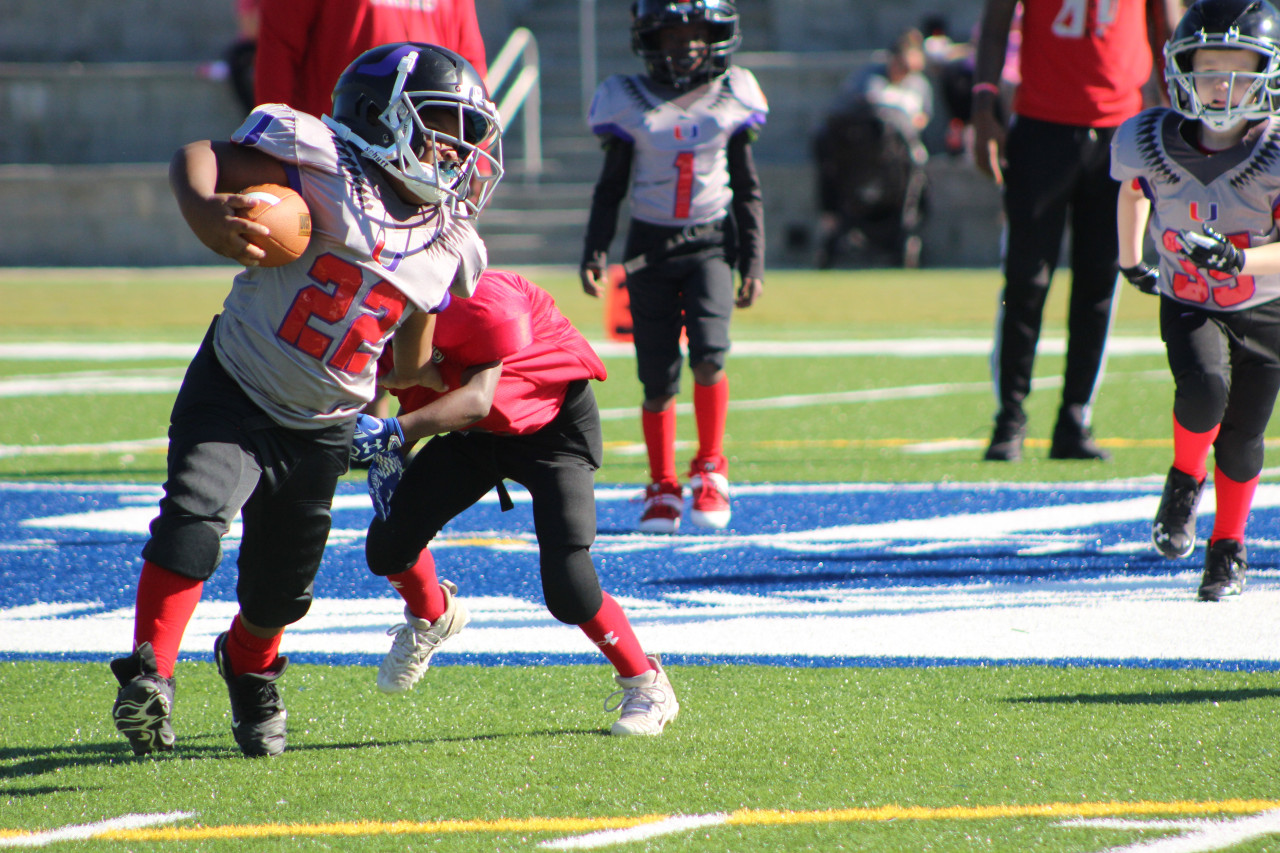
{"type": "Point", "coordinates": [411, 645]}
{"type": "Point", "coordinates": [1223, 564]}
{"type": "Point", "coordinates": [636, 700]}
{"type": "Point", "coordinates": [1182, 502]}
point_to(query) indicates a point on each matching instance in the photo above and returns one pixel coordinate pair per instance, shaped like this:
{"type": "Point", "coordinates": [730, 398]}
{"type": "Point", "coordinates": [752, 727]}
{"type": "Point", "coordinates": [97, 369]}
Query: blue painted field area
{"type": "Point", "coordinates": [817, 575]}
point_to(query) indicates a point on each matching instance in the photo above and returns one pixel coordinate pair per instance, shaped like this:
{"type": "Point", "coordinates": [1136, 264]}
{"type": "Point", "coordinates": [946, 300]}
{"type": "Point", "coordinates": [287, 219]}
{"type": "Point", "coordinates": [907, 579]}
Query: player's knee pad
{"type": "Point", "coordinates": [185, 546]}
{"type": "Point", "coordinates": [570, 585]}
{"type": "Point", "coordinates": [273, 605]}
{"type": "Point", "coordinates": [1237, 455]}
{"type": "Point", "coordinates": [1199, 401]}
{"type": "Point", "coordinates": [387, 551]}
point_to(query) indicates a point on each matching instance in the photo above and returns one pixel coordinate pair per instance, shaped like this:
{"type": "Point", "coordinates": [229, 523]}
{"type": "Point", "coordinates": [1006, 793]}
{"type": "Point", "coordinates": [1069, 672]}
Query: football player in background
{"type": "Point", "coordinates": [1204, 177]}
{"type": "Point", "coordinates": [262, 425]}
{"type": "Point", "coordinates": [678, 137]}
{"type": "Point", "coordinates": [519, 406]}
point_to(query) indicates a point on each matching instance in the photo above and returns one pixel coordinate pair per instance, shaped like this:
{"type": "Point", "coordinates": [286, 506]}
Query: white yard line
{"type": "Point", "coordinates": [87, 831]}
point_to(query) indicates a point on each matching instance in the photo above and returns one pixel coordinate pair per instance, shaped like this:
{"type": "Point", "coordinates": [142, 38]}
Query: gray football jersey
{"type": "Point", "coordinates": [680, 172]}
{"type": "Point", "coordinates": [303, 339]}
{"type": "Point", "coordinates": [1233, 191]}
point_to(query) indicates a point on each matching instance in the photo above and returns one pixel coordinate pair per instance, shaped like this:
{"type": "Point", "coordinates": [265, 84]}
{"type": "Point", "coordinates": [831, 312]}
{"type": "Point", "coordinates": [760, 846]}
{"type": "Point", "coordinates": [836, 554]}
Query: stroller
{"type": "Point", "coordinates": [871, 182]}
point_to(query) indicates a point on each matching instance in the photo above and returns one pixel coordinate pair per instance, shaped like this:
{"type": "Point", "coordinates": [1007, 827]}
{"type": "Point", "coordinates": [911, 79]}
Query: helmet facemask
{"type": "Point", "coordinates": [1259, 90]}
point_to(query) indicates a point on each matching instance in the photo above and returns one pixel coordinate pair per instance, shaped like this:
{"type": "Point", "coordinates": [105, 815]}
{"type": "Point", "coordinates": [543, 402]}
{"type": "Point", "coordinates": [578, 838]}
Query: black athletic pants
{"type": "Point", "coordinates": [1057, 173]}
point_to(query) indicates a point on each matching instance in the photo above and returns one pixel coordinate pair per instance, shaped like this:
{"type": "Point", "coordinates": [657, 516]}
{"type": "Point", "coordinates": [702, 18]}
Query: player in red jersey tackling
{"type": "Point", "coordinates": [519, 407]}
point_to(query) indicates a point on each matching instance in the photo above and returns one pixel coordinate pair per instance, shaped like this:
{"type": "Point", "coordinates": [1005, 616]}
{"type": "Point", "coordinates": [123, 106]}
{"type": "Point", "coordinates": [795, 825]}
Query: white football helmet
{"type": "Point", "coordinates": [1248, 25]}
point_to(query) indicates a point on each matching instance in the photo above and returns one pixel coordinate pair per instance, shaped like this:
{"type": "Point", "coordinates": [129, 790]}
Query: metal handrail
{"type": "Point", "coordinates": [525, 92]}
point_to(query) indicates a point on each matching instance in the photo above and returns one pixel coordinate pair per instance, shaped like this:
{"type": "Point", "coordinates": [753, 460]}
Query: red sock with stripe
{"type": "Point", "coordinates": [165, 603]}
{"type": "Point", "coordinates": [249, 652]}
{"type": "Point", "coordinates": [420, 588]}
{"type": "Point", "coordinates": [611, 631]}
{"type": "Point", "coordinates": [710, 410]}
{"type": "Point", "coordinates": [1233, 502]}
{"type": "Point", "coordinates": [660, 440]}
{"type": "Point", "coordinates": [1191, 450]}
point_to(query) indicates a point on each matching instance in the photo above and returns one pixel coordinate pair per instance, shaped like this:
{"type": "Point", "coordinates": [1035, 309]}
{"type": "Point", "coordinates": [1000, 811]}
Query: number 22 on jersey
{"type": "Point", "coordinates": [330, 299]}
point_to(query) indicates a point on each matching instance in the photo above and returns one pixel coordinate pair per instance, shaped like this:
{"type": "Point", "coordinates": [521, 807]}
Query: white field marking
{"type": "Point", "coordinates": [68, 351]}
{"type": "Point", "coordinates": [609, 837]}
{"type": "Point", "coordinates": [89, 830]}
{"type": "Point", "coordinates": [145, 445]}
{"type": "Point", "coordinates": [1216, 835]}
{"type": "Point", "coordinates": [158, 380]}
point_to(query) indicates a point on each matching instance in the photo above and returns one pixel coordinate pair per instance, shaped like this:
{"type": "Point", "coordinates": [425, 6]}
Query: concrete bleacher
{"type": "Point", "coordinates": [95, 97]}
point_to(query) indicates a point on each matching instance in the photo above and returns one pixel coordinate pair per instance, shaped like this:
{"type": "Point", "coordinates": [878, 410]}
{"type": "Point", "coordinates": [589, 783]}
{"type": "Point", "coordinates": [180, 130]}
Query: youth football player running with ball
{"type": "Point", "coordinates": [679, 138]}
{"type": "Point", "coordinates": [263, 423]}
{"type": "Point", "coordinates": [519, 406]}
{"type": "Point", "coordinates": [1204, 177]}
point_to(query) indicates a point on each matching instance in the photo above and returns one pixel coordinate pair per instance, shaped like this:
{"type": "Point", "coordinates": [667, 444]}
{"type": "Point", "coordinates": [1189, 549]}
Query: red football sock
{"type": "Point", "coordinates": [249, 652]}
{"type": "Point", "coordinates": [611, 632]}
{"type": "Point", "coordinates": [660, 440]}
{"type": "Point", "coordinates": [1191, 450]}
{"type": "Point", "coordinates": [1233, 500]}
{"type": "Point", "coordinates": [420, 588]}
{"type": "Point", "coordinates": [710, 408]}
{"type": "Point", "coordinates": [165, 602]}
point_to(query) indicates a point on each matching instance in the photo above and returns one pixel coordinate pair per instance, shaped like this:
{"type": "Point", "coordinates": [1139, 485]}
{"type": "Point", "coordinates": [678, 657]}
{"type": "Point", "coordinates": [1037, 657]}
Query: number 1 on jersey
{"type": "Point", "coordinates": [684, 184]}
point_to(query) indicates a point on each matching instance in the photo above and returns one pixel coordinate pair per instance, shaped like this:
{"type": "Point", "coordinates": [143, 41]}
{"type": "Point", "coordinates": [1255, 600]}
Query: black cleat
{"type": "Point", "coordinates": [1072, 438]}
{"type": "Point", "coordinates": [1006, 440]}
{"type": "Point", "coordinates": [1174, 530]}
{"type": "Point", "coordinates": [257, 712]}
{"type": "Point", "coordinates": [1224, 567]}
{"type": "Point", "coordinates": [144, 703]}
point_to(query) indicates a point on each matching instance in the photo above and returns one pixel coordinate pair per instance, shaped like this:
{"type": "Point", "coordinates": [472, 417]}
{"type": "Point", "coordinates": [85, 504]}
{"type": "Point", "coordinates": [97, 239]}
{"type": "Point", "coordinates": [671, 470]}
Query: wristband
{"type": "Point", "coordinates": [979, 88]}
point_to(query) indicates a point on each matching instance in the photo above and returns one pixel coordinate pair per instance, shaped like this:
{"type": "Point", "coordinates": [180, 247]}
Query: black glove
{"type": "Point", "coordinates": [1211, 251]}
{"type": "Point", "coordinates": [1142, 276]}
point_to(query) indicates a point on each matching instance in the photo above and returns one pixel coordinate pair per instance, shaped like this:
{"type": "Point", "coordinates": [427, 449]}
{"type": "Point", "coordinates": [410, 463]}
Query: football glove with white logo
{"type": "Point", "coordinates": [374, 436]}
{"type": "Point", "coordinates": [1142, 276]}
{"type": "Point", "coordinates": [384, 474]}
{"type": "Point", "coordinates": [1211, 251]}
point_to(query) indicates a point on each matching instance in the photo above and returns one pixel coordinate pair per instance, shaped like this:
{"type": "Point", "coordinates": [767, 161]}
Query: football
{"type": "Point", "coordinates": [286, 214]}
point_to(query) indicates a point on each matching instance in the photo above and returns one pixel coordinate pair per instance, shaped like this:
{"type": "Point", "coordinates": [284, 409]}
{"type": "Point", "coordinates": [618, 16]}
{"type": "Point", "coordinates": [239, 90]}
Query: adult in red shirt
{"type": "Point", "coordinates": [1084, 66]}
{"type": "Point", "coordinates": [303, 45]}
{"type": "Point", "coordinates": [519, 406]}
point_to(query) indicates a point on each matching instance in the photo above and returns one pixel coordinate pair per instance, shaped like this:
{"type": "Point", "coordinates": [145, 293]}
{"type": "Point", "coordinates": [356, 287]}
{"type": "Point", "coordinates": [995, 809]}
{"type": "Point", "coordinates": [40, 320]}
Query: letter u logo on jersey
{"type": "Point", "coordinates": [686, 132]}
{"type": "Point", "coordinates": [1204, 212]}
{"type": "Point", "coordinates": [389, 260]}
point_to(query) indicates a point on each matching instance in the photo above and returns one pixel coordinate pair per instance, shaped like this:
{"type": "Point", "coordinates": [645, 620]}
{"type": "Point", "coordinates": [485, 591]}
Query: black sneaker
{"type": "Point", "coordinates": [144, 703]}
{"type": "Point", "coordinates": [257, 712]}
{"type": "Point", "coordinates": [1072, 439]}
{"type": "Point", "coordinates": [1006, 440]}
{"type": "Point", "coordinates": [1174, 530]}
{"type": "Point", "coordinates": [1224, 567]}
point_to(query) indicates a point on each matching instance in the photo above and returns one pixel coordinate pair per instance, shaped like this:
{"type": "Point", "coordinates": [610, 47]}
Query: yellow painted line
{"type": "Point", "coordinates": [743, 817]}
{"type": "Point", "coordinates": [756, 817]}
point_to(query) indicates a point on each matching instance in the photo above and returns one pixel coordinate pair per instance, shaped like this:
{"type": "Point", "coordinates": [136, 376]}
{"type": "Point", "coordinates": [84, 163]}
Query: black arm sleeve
{"type": "Point", "coordinates": [748, 205]}
{"type": "Point", "coordinates": [611, 189]}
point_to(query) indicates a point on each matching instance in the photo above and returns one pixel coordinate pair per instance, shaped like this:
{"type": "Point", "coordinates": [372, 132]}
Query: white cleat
{"type": "Point", "coordinates": [648, 702]}
{"type": "Point", "coordinates": [417, 640]}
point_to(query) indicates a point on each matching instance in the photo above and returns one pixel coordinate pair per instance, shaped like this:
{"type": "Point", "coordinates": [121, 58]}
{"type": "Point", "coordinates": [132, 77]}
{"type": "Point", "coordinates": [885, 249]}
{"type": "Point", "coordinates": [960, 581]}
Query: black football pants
{"type": "Point", "coordinates": [1226, 370]}
{"type": "Point", "coordinates": [557, 464]}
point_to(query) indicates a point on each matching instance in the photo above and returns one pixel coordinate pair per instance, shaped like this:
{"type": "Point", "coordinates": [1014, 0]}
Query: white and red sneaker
{"type": "Point", "coordinates": [710, 490]}
{"type": "Point", "coordinates": [663, 503]}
